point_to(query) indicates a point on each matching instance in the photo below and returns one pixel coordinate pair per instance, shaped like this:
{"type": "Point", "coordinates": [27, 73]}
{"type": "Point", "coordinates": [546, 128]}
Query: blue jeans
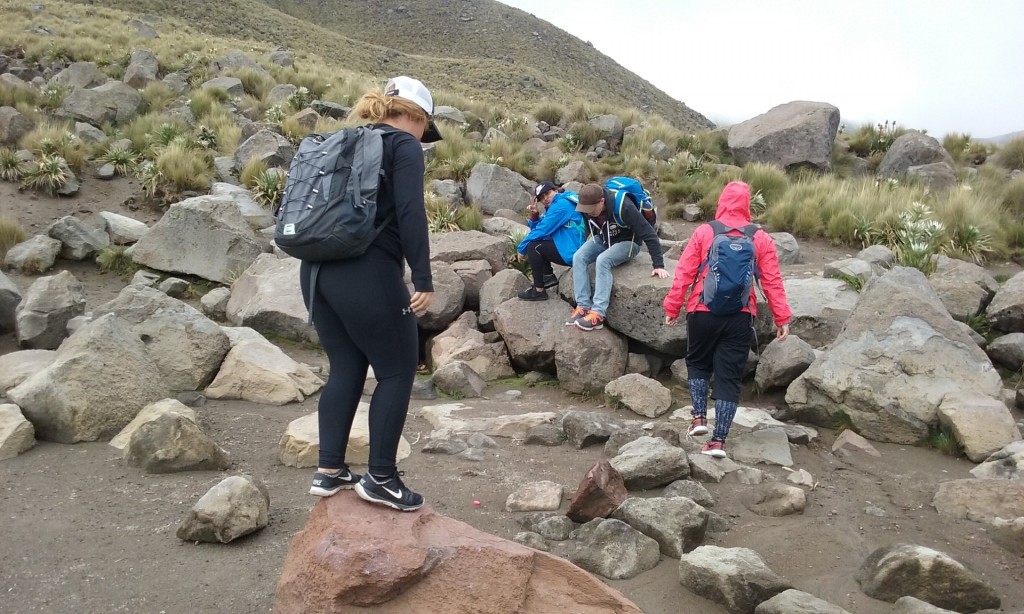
{"type": "Point", "coordinates": [606, 258]}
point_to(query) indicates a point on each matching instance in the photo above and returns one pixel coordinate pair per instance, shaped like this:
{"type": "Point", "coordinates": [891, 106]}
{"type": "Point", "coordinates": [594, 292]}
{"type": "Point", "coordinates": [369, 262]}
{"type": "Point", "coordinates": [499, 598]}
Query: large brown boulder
{"type": "Point", "coordinates": [352, 555]}
{"type": "Point", "coordinates": [791, 135]}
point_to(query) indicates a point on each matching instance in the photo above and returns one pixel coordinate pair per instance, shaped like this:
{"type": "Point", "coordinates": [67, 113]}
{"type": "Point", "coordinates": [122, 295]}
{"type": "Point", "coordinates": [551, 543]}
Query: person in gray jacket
{"type": "Point", "coordinates": [616, 229]}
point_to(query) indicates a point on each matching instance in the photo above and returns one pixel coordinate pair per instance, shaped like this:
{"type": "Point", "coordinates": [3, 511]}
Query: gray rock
{"type": "Point", "coordinates": [782, 362]}
{"type": "Point", "coordinates": [650, 462]}
{"type": "Point", "coordinates": [255, 215]}
{"type": "Point", "coordinates": [531, 540]}
{"type": "Point", "coordinates": [735, 577]}
{"type": "Point", "coordinates": [749, 476]}
{"type": "Point", "coordinates": [13, 126]}
{"type": "Point", "coordinates": [186, 346]}
{"type": "Point", "coordinates": [330, 109]}
{"type": "Point", "coordinates": [544, 435]}
{"type": "Point", "coordinates": [964, 288]}
{"type": "Point", "coordinates": [142, 30]}
{"type": "Point", "coordinates": [123, 230]}
{"type": "Point", "coordinates": [852, 268]}
{"type": "Point", "coordinates": [938, 176]}
{"type": "Point", "coordinates": [48, 305]}
{"type": "Point", "coordinates": [80, 75]}
{"type": "Point", "coordinates": [912, 149]}
{"type": "Point", "coordinates": [1008, 533]}
{"type": "Point", "coordinates": [266, 145]}
{"type": "Point", "coordinates": [503, 227]}
{"type": "Point", "coordinates": [904, 569]}
{"type": "Point", "coordinates": [573, 171]}
{"type": "Point", "coordinates": [801, 477]}
{"type": "Point", "coordinates": [173, 287]}
{"type": "Point", "coordinates": [177, 83]}
{"type": "Point", "coordinates": [172, 442]}
{"type": "Point", "coordinates": [1006, 311]}
{"type": "Point", "coordinates": [463, 342]}
{"type": "Point", "coordinates": [979, 500]}
{"type": "Point", "coordinates": [34, 256]}
{"type": "Point", "coordinates": [584, 429]}
{"type": "Point", "coordinates": [614, 550]}
{"type": "Point", "coordinates": [532, 330]}
{"type": "Point", "coordinates": [535, 497]}
{"type": "Point", "coordinates": [469, 245]}
{"type": "Point", "coordinates": [911, 605]}
{"type": "Point", "coordinates": [792, 135]}
{"type": "Point", "coordinates": [448, 301]}
{"type": "Point", "coordinates": [16, 433]}
{"type": "Point", "coordinates": [281, 57]}
{"type": "Point", "coordinates": [1007, 350]}
{"type": "Point", "coordinates": [768, 445]}
{"type": "Point", "coordinates": [145, 278]}
{"type": "Point", "coordinates": [234, 61]}
{"type": "Point", "coordinates": [820, 308]}
{"type": "Point", "coordinates": [495, 187]}
{"type": "Point", "coordinates": [660, 151]}
{"type": "Point", "coordinates": [708, 469]}
{"type": "Point", "coordinates": [78, 241]}
{"type": "Point", "coordinates": [79, 398]}
{"type": "Point", "coordinates": [16, 367]}
{"type": "Point", "coordinates": [898, 323]}
{"type": "Point", "coordinates": [591, 361]}
{"type": "Point", "coordinates": [237, 506]}
{"type": "Point", "coordinates": [777, 499]}
{"type": "Point", "coordinates": [215, 303]}
{"type": "Point", "coordinates": [258, 371]}
{"type": "Point", "coordinates": [445, 445]}
{"type": "Point", "coordinates": [142, 69]}
{"type": "Point", "coordinates": [621, 437]}
{"type": "Point", "coordinates": [797, 602]}
{"type": "Point", "coordinates": [479, 440]}
{"type": "Point", "coordinates": [423, 390]}
{"type": "Point", "coordinates": [10, 297]}
{"type": "Point", "coordinates": [642, 395]}
{"type": "Point", "coordinates": [982, 425]}
{"type": "Point", "coordinates": [1006, 464]}
{"type": "Point", "coordinates": [691, 490]}
{"type": "Point", "coordinates": [608, 127]}
{"type": "Point", "coordinates": [448, 189]}
{"type": "Point", "coordinates": [676, 523]}
{"type": "Point", "coordinates": [474, 274]}
{"type": "Point", "coordinates": [459, 379]}
{"type": "Point", "coordinates": [878, 255]}
{"type": "Point", "coordinates": [220, 244]}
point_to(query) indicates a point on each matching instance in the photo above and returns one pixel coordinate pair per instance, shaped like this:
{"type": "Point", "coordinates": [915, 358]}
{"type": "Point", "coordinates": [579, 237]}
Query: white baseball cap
{"type": "Point", "coordinates": [414, 91]}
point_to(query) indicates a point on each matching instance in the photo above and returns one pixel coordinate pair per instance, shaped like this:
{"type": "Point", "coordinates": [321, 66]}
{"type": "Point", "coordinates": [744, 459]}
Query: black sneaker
{"type": "Point", "coordinates": [550, 281]}
{"type": "Point", "coordinates": [391, 492]}
{"type": "Point", "coordinates": [325, 484]}
{"type": "Point", "coordinates": [533, 294]}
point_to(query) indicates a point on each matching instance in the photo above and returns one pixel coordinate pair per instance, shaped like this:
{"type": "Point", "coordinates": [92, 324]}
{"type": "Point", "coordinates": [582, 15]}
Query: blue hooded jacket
{"type": "Point", "coordinates": [561, 223]}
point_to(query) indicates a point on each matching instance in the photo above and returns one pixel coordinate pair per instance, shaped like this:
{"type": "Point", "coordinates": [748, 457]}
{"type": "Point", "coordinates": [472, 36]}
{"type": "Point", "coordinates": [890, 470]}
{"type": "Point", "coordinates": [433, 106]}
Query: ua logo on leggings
{"type": "Point", "coordinates": [406, 311]}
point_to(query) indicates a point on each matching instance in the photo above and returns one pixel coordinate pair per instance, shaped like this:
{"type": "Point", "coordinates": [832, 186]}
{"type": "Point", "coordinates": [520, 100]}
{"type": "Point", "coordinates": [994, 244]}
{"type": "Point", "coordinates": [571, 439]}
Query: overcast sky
{"type": "Point", "coordinates": [941, 65]}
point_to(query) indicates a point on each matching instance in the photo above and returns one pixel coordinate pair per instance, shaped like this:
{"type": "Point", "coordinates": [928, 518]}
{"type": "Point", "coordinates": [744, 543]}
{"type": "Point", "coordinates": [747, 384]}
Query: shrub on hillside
{"type": "Point", "coordinates": [767, 179]}
{"type": "Point", "coordinates": [156, 96]}
{"type": "Point", "coordinates": [116, 260]}
{"type": "Point", "coordinates": [14, 96]}
{"type": "Point", "coordinates": [267, 188]}
{"type": "Point", "coordinates": [550, 113]}
{"type": "Point", "coordinates": [255, 83]}
{"type": "Point", "coordinates": [153, 130]}
{"type": "Point", "coordinates": [252, 169]}
{"type": "Point", "coordinates": [55, 139]}
{"type": "Point", "coordinates": [11, 233]}
{"type": "Point", "coordinates": [204, 100]}
{"type": "Point", "coordinates": [176, 169]}
{"type": "Point", "coordinates": [869, 139]}
{"type": "Point", "coordinates": [1011, 155]}
{"type": "Point", "coordinates": [1013, 198]}
{"type": "Point", "coordinates": [124, 161]}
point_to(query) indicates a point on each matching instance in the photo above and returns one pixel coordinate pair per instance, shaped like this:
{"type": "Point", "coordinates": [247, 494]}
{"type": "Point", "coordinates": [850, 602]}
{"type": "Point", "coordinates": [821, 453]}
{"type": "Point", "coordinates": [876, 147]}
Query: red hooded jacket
{"type": "Point", "coordinates": [733, 211]}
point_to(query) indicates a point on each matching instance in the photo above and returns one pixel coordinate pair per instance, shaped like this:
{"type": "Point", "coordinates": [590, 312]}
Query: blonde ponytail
{"type": "Point", "coordinates": [375, 107]}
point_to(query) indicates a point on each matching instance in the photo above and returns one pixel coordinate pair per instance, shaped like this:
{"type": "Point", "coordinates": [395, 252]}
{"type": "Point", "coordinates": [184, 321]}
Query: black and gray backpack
{"type": "Point", "coordinates": [329, 204]}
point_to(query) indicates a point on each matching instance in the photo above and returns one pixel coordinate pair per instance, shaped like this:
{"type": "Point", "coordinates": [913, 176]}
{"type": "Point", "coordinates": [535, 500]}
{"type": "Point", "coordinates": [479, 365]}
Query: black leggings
{"type": "Point", "coordinates": [541, 254]}
{"type": "Point", "coordinates": [718, 345]}
{"type": "Point", "coordinates": [361, 313]}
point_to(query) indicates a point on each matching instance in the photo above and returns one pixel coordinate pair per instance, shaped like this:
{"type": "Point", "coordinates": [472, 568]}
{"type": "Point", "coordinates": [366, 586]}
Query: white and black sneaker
{"type": "Point", "coordinates": [326, 484]}
{"type": "Point", "coordinates": [390, 491]}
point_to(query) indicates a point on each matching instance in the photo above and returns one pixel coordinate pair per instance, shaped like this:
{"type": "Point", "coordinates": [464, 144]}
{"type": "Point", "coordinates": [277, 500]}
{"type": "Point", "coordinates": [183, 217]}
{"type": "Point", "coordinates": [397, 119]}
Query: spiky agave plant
{"type": "Point", "coordinates": [11, 167]}
{"type": "Point", "coordinates": [47, 173]}
{"type": "Point", "coordinates": [124, 161]}
{"type": "Point", "coordinates": [267, 188]}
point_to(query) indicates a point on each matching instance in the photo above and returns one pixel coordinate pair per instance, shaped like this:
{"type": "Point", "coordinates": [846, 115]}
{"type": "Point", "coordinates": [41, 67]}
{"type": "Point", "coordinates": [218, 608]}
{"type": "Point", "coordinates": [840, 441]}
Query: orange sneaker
{"type": "Point", "coordinates": [591, 321]}
{"type": "Point", "coordinates": [576, 314]}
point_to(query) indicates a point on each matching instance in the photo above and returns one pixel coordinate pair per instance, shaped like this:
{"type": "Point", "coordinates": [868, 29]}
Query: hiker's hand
{"type": "Point", "coordinates": [670, 321]}
{"type": "Point", "coordinates": [782, 332]}
{"type": "Point", "coordinates": [661, 273]}
{"type": "Point", "coordinates": [420, 301]}
{"type": "Point", "coordinates": [532, 207]}
{"type": "Point", "coordinates": [520, 257]}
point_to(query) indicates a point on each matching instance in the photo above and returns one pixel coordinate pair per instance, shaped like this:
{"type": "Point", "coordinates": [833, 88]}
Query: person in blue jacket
{"type": "Point", "coordinates": [553, 238]}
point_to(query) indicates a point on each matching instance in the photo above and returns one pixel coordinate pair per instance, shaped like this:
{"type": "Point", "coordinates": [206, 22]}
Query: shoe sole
{"type": "Point", "coordinates": [714, 453]}
{"type": "Point", "coordinates": [697, 430]}
{"type": "Point", "coordinates": [365, 496]}
{"type": "Point", "coordinates": [324, 492]}
{"type": "Point", "coordinates": [598, 327]}
{"type": "Point", "coordinates": [539, 298]}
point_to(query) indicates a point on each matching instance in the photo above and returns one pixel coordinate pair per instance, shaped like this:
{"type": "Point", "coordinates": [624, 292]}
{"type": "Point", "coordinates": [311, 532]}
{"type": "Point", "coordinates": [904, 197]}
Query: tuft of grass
{"type": "Point", "coordinates": [124, 161]}
{"type": "Point", "coordinates": [153, 130]}
{"type": "Point", "coordinates": [442, 216]}
{"type": "Point", "coordinates": [841, 421]}
{"type": "Point", "coordinates": [267, 188]}
{"type": "Point", "coordinates": [115, 260]}
{"type": "Point", "coordinates": [255, 83]}
{"type": "Point", "coordinates": [17, 96]}
{"type": "Point", "coordinates": [55, 139]}
{"type": "Point", "coordinates": [1012, 199]}
{"type": "Point", "coordinates": [514, 239]}
{"type": "Point", "coordinates": [252, 169]}
{"type": "Point", "coordinates": [11, 233]}
{"type": "Point", "coordinates": [767, 179]}
{"type": "Point", "coordinates": [979, 323]}
{"type": "Point", "coordinates": [1011, 155]}
{"type": "Point", "coordinates": [549, 112]}
{"type": "Point", "coordinates": [156, 97]}
{"type": "Point", "coordinates": [203, 101]}
{"type": "Point", "coordinates": [178, 169]}
{"type": "Point", "coordinates": [11, 167]}
{"type": "Point", "coordinates": [48, 173]}
{"type": "Point", "coordinates": [854, 282]}
{"type": "Point", "coordinates": [471, 218]}
{"type": "Point", "coordinates": [942, 439]}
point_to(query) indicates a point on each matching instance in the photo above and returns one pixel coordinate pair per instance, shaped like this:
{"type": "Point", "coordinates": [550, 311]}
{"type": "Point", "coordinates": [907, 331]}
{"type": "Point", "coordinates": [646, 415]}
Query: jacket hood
{"type": "Point", "coordinates": [734, 204]}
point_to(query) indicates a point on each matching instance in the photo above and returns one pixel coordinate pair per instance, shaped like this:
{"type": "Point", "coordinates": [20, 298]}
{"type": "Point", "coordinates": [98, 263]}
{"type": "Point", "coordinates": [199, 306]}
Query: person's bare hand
{"type": "Point", "coordinates": [660, 273]}
{"type": "Point", "coordinates": [670, 321]}
{"type": "Point", "coordinates": [520, 257]}
{"type": "Point", "coordinates": [420, 301]}
{"type": "Point", "coordinates": [782, 332]}
{"type": "Point", "coordinates": [532, 207]}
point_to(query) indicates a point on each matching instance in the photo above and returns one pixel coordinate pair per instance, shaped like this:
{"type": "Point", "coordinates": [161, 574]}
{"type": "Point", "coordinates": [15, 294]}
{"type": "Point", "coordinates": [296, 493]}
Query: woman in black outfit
{"type": "Point", "coordinates": [362, 310]}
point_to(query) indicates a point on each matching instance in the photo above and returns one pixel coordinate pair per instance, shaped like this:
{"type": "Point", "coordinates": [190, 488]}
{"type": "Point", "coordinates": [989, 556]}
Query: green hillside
{"type": "Point", "coordinates": [479, 49]}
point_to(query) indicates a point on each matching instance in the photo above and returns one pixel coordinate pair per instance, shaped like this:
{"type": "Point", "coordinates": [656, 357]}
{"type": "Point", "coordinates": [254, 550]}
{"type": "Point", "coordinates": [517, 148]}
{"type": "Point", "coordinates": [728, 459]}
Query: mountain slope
{"type": "Point", "coordinates": [477, 48]}
{"type": "Point", "coordinates": [1002, 139]}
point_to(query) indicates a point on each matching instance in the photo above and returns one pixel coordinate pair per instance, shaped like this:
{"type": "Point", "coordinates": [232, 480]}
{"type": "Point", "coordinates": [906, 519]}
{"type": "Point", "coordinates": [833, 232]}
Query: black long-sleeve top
{"type": "Point", "coordinates": [401, 192]}
{"type": "Point", "coordinates": [634, 227]}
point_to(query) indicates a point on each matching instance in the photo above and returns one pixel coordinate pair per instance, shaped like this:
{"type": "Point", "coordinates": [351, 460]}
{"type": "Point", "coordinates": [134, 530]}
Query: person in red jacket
{"type": "Point", "coordinates": [718, 344]}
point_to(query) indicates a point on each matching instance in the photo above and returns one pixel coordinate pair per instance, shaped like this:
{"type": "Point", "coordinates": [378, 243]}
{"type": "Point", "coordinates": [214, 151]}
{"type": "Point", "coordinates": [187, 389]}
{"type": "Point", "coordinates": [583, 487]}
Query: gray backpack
{"type": "Point", "coordinates": [329, 204]}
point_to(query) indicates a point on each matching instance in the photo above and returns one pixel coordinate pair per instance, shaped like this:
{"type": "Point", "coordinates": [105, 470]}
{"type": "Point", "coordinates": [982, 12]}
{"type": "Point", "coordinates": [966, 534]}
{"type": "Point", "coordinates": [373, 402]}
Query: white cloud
{"type": "Point", "coordinates": [943, 65]}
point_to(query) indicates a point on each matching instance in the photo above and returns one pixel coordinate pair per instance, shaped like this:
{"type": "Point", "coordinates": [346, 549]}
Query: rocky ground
{"type": "Point", "coordinates": [83, 531]}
